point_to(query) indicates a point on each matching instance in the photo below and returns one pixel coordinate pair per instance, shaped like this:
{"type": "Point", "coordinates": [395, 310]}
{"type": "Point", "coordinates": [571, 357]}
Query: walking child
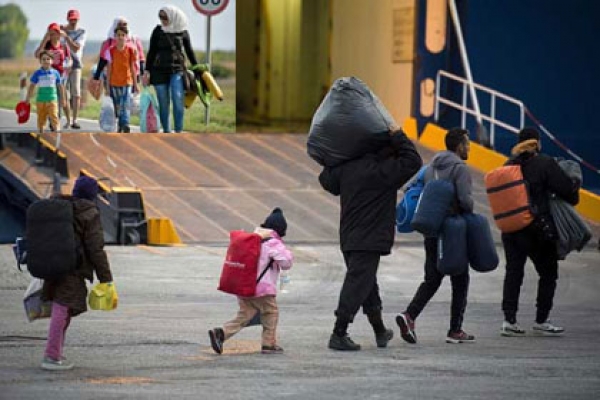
{"type": "Point", "coordinates": [68, 293]}
{"type": "Point", "coordinates": [274, 256]}
{"type": "Point", "coordinates": [61, 60]}
{"type": "Point", "coordinates": [47, 79]}
{"type": "Point", "coordinates": [121, 76]}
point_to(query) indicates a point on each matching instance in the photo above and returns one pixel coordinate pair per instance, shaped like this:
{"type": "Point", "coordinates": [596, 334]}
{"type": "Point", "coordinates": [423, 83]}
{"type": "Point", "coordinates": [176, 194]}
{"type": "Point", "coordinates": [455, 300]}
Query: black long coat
{"type": "Point", "coordinates": [368, 187]}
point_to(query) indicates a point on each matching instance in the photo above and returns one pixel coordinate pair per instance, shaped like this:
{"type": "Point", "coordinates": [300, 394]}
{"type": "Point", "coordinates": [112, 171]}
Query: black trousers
{"type": "Point", "coordinates": [431, 284]}
{"type": "Point", "coordinates": [360, 285]}
{"type": "Point", "coordinates": [518, 246]}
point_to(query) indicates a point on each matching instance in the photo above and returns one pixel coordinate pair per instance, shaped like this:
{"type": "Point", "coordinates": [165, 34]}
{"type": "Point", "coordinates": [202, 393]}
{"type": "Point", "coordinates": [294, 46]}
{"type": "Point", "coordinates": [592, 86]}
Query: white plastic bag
{"type": "Point", "coordinates": [134, 104]}
{"type": "Point", "coordinates": [35, 308]}
{"type": "Point", "coordinates": [108, 121]}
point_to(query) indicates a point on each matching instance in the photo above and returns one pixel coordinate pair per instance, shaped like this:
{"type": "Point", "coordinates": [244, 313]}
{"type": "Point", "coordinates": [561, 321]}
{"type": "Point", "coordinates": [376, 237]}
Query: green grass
{"type": "Point", "coordinates": [222, 113]}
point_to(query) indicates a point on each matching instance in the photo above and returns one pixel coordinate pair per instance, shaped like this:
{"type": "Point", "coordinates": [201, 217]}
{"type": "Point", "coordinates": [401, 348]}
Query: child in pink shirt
{"type": "Point", "coordinates": [275, 257]}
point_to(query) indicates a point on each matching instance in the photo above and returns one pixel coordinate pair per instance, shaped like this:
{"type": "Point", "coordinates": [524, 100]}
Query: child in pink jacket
{"type": "Point", "coordinates": [272, 250]}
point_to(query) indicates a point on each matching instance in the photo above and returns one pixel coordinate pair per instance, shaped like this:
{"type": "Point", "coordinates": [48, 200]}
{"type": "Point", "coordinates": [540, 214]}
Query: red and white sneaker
{"type": "Point", "coordinates": [407, 327]}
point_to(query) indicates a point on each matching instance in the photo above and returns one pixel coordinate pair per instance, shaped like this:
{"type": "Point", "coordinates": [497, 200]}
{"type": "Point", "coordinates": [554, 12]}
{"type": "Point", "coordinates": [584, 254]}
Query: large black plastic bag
{"type": "Point", "coordinates": [573, 232]}
{"type": "Point", "coordinates": [350, 122]}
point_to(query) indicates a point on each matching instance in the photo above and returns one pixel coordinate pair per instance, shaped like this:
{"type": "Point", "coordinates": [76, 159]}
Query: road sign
{"type": "Point", "coordinates": [210, 7]}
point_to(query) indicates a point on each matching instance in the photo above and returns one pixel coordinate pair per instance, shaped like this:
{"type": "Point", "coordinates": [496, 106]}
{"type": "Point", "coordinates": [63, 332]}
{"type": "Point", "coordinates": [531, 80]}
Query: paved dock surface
{"type": "Point", "coordinates": [155, 345]}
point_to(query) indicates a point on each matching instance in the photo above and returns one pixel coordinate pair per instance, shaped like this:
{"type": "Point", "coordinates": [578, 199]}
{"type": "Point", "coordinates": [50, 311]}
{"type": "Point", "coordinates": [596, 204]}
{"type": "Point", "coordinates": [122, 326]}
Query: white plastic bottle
{"type": "Point", "coordinates": [284, 282]}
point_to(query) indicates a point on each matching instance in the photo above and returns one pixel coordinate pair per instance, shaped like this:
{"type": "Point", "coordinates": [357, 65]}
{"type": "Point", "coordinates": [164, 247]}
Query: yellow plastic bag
{"type": "Point", "coordinates": [103, 296]}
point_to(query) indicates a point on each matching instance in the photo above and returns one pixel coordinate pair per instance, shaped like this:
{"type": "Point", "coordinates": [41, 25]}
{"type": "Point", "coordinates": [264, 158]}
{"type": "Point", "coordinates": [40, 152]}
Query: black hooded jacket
{"type": "Point", "coordinates": [368, 187]}
{"type": "Point", "coordinates": [544, 176]}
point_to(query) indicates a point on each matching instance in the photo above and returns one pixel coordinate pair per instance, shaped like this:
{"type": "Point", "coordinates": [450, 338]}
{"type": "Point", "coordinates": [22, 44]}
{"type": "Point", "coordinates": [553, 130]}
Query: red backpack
{"type": "Point", "coordinates": [240, 267]}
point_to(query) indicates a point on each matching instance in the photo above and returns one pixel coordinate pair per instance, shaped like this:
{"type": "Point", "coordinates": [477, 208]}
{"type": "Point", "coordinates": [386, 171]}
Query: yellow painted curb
{"type": "Point", "coordinates": [433, 137]}
{"type": "Point", "coordinates": [589, 205]}
{"type": "Point", "coordinates": [410, 128]}
{"type": "Point", "coordinates": [485, 160]}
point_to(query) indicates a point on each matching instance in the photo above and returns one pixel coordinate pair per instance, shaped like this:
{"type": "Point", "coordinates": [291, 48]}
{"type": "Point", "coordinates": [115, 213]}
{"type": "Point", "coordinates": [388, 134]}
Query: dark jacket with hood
{"type": "Point", "coordinates": [166, 55]}
{"type": "Point", "coordinates": [70, 290]}
{"type": "Point", "coordinates": [543, 176]}
{"type": "Point", "coordinates": [368, 187]}
{"type": "Point", "coordinates": [449, 166]}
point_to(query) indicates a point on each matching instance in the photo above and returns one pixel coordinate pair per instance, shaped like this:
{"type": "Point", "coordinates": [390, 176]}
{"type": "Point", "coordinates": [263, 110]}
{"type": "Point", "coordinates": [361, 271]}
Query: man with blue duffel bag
{"type": "Point", "coordinates": [446, 165]}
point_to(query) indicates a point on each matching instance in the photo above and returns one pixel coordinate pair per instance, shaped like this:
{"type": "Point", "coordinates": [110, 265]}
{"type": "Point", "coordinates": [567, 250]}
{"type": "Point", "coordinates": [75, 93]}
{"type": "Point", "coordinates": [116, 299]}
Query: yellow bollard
{"type": "Point", "coordinates": [161, 231]}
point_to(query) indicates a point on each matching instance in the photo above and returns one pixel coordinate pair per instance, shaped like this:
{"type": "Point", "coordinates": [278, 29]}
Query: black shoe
{"type": "Point", "coordinates": [342, 343]}
{"type": "Point", "coordinates": [271, 349]}
{"type": "Point", "coordinates": [383, 339]}
{"type": "Point", "coordinates": [217, 337]}
{"type": "Point", "coordinates": [75, 125]}
{"type": "Point", "coordinates": [126, 129]}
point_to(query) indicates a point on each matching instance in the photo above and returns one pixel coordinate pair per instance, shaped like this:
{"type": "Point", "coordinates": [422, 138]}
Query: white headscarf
{"type": "Point", "coordinates": [178, 21]}
{"type": "Point", "coordinates": [111, 32]}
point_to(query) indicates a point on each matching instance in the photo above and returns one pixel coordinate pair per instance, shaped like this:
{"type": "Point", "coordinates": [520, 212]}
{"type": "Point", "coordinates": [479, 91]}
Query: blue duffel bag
{"type": "Point", "coordinates": [452, 246]}
{"type": "Point", "coordinates": [405, 210]}
{"type": "Point", "coordinates": [480, 244]}
{"type": "Point", "coordinates": [434, 205]}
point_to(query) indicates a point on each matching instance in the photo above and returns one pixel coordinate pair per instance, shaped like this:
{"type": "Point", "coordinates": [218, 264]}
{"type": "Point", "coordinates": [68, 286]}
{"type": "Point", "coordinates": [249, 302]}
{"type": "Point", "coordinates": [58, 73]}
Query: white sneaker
{"type": "Point", "coordinates": [547, 329]}
{"type": "Point", "coordinates": [511, 330]}
{"type": "Point", "coordinates": [50, 364]}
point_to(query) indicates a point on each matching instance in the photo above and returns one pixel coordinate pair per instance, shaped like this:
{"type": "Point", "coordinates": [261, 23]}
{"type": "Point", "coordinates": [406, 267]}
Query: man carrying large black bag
{"type": "Point", "coordinates": [368, 188]}
{"type": "Point", "coordinates": [447, 165]}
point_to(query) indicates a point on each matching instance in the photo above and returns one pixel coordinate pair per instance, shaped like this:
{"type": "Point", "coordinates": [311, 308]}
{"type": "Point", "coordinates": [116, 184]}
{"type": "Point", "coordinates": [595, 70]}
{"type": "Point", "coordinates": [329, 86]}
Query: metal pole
{"type": "Point", "coordinates": [438, 81]}
{"type": "Point", "coordinates": [463, 114]}
{"type": "Point", "coordinates": [467, 67]}
{"type": "Point", "coordinates": [208, 62]}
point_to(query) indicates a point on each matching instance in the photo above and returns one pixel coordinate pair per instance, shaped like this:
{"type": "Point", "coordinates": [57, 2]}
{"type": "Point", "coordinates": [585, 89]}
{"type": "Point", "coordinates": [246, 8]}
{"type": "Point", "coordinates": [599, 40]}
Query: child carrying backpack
{"type": "Point", "coordinates": [68, 291]}
{"type": "Point", "coordinates": [274, 257]}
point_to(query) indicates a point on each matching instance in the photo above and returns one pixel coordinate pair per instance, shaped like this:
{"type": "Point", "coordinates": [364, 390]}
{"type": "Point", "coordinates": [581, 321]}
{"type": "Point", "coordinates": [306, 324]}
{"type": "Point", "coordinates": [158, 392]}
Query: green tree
{"type": "Point", "coordinates": [13, 31]}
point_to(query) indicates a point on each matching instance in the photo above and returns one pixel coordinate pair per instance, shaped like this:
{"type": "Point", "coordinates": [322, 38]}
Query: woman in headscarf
{"type": "Point", "coordinates": [104, 56]}
{"type": "Point", "coordinates": [165, 67]}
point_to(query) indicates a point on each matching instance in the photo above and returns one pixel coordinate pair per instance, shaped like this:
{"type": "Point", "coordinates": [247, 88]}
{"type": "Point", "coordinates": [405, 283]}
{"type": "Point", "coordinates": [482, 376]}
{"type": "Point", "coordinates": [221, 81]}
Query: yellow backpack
{"type": "Point", "coordinates": [103, 296]}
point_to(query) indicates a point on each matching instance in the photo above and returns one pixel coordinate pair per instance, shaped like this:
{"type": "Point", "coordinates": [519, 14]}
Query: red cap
{"type": "Point", "coordinates": [54, 27]}
{"type": "Point", "coordinates": [23, 110]}
{"type": "Point", "coordinates": [72, 14]}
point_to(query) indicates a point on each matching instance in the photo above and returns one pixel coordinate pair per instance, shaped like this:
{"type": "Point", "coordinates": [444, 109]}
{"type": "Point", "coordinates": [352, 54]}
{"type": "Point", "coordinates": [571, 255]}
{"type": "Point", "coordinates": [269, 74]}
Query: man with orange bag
{"type": "Point", "coordinates": [538, 240]}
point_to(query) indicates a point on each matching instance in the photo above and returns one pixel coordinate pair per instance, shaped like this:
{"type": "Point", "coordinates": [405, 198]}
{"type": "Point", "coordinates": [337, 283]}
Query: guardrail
{"type": "Point", "coordinates": [464, 109]}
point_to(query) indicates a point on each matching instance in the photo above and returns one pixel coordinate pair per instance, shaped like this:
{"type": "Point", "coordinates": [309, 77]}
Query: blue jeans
{"type": "Point", "coordinates": [121, 96]}
{"type": "Point", "coordinates": [174, 89]}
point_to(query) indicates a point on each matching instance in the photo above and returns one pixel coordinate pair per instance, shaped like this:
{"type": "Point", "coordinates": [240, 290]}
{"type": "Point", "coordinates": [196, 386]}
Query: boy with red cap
{"type": "Point", "coordinates": [61, 57]}
{"type": "Point", "coordinates": [47, 79]}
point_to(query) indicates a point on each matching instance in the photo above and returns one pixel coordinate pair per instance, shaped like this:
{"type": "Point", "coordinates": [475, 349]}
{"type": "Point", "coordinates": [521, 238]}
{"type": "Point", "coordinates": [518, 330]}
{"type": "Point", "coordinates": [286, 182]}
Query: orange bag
{"type": "Point", "coordinates": [509, 198]}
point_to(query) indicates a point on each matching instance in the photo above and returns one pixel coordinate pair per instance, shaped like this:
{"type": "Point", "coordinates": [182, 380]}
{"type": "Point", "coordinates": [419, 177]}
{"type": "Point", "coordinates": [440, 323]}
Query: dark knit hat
{"type": "Point", "coordinates": [276, 221]}
{"type": "Point", "coordinates": [528, 133]}
{"type": "Point", "coordinates": [85, 188]}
